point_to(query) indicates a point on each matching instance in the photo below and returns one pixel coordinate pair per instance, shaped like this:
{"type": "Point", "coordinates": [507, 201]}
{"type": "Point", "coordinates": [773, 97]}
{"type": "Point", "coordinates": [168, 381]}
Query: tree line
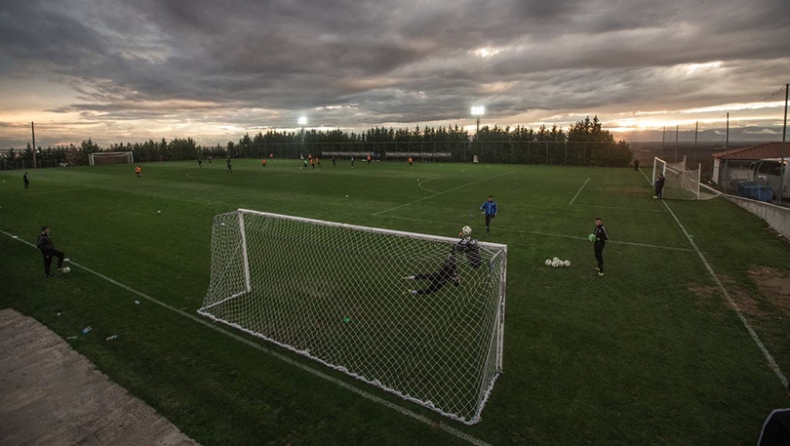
{"type": "Point", "coordinates": [584, 143]}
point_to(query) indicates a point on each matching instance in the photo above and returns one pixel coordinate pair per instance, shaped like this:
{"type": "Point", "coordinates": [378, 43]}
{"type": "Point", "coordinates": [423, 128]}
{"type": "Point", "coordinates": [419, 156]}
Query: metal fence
{"type": "Point", "coordinates": [500, 152]}
{"type": "Point", "coordinates": [22, 164]}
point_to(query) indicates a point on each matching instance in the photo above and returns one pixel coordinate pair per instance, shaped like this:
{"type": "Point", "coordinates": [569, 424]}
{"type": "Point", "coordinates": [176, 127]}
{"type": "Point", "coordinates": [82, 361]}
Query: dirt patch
{"type": "Point", "coordinates": [702, 291]}
{"type": "Point", "coordinates": [745, 302]}
{"type": "Point", "coordinates": [774, 284]}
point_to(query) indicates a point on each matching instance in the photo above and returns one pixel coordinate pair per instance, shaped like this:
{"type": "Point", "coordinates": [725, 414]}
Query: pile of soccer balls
{"type": "Point", "coordinates": [556, 262]}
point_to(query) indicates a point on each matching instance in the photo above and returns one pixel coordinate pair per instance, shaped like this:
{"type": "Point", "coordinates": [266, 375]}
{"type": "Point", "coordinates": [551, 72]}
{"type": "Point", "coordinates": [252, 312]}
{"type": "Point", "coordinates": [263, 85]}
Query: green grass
{"type": "Point", "coordinates": [649, 354]}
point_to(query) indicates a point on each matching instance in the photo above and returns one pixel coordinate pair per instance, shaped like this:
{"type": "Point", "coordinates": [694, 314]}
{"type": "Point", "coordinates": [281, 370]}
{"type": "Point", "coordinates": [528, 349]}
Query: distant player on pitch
{"type": "Point", "coordinates": [599, 238]}
{"type": "Point", "coordinates": [230, 167]}
{"type": "Point", "coordinates": [200, 162]}
{"type": "Point", "coordinates": [139, 171]}
{"type": "Point", "coordinates": [263, 162]}
{"type": "Point", "coordinates": [489, 210]}
{"type": "Point", "coordinates": [468, 246]}
{"type": "Point", "coordinates": [352, 161]}
{"type": "Point", "coordinates": [660, 186]}
{"type": "Point", "coordinates": [44, 243]}
{"type": "Point", "coordinates": [411, 162]}
{"type": "Point", "coordinates": [438, 279]}
{"type": "Point", "coordinates": [26, 179]}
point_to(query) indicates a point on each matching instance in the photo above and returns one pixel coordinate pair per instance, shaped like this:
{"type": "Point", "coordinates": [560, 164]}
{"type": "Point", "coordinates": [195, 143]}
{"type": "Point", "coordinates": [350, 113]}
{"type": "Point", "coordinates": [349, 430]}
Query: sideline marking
{"type": "Point", "coordinates": [619, 207]}
{"type": "Point", "coordinates": [644, 245]}
{"type": "Point", "coordinates": [440, 193]}
{"type": "Point", "coordinates": [24, 194]}
{"type": "Point", "coordinates": [579, 191]}
{"type": "Point", "coordinates": [403, 411]}
{"type": "Point", "coordinates": [760, 345]}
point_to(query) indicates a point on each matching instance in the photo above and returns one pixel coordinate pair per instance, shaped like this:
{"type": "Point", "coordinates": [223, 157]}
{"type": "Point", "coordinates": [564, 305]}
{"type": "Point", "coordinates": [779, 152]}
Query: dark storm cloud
{"type": "Point", "coordinates": [391, 61]}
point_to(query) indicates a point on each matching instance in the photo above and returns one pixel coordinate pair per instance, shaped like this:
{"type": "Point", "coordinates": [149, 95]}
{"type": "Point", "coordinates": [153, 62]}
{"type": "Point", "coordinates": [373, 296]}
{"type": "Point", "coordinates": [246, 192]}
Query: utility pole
{"type": "Point", "coordinates": [663, 136]}
{"type": "Point", "coordinates": [677, 131]}
{"type": "Point", "coordinates": [727, 135]}
{"type": "Point", "coordinates": [784, 147]}
{"type": "Point", "coordinates": [696, 132]}
{"type": "Point", "coordinates": [33, 129]}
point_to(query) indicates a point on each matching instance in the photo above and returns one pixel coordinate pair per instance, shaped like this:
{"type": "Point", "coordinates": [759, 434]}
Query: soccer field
{"type": "Point", "coordinates": [651, 353]}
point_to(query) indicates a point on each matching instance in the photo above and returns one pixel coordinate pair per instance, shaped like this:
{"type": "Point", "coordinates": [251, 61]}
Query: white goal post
{"type": "Point", "coordinates": [110, 158]}
{"type": "Point", "coordinates": [372, 303]}
{"type": "Point", "coordinates": [680, 182]}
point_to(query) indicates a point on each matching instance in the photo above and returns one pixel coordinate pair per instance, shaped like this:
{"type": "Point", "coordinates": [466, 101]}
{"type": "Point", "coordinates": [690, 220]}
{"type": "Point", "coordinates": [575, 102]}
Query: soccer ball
{"type": "Point", "coordinates": [567, 263]}
{"type": "Point", "coordinates": [466, 230]}
{"type": "Point", "coordinates": [555, 259]}
{"type": "Point", "coordinates": [66, 270]}
{"type": "Point", "coordinates": [548, 262]}
{"type": "Point", "coordinates": [555, 263]}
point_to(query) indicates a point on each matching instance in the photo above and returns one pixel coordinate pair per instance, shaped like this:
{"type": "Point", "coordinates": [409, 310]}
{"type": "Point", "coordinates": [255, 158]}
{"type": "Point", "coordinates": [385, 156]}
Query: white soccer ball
{"type": "Point", "coordinates": [567, 263]}
{"type": "Point", "coordinates": [66, 270]}
{"type": "Point", "coordinates": [466, 230]}
{"type": "Point", "coordinates": [555, 259]}
{"type": "Point", "coordinates": [548, 262]}
{"type": "Point", "coordinates": [555, 263]}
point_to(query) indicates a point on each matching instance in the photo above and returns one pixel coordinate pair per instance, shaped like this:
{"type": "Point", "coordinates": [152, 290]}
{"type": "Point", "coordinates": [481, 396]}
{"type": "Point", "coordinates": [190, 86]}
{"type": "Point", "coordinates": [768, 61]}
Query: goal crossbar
{"type": "Point", "coordinates": [128, 157]}
{"type": "Point", "coordinates": [334, 292]}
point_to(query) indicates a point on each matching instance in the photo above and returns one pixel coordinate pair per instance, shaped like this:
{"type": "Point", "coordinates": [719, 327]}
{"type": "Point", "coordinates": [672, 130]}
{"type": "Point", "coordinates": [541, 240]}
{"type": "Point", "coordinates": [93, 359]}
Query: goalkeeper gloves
{"type": "Point", "coordinates": [591, 237]}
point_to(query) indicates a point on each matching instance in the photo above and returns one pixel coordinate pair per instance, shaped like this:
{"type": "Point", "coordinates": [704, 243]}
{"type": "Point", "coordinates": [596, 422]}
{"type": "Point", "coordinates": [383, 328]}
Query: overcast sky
{"type": "Point", "coordinates": [119, 70]}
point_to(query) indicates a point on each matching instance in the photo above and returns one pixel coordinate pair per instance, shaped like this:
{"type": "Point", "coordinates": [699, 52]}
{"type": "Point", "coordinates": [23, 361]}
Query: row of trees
{"type": "Point", "coordinates": [584, 143]}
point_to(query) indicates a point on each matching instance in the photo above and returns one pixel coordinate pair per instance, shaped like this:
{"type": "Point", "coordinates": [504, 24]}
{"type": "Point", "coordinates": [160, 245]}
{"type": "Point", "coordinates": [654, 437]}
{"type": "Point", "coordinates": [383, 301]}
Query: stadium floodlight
{"type": "Point", "coordinates": [478, 111]}
{"type": "Point", "coordinates": [358, 299]}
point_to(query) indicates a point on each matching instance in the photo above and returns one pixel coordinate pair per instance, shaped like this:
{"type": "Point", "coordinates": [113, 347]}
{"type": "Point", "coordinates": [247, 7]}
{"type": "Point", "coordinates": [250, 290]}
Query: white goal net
{"type": "Point", "coordinates": [355, 299]}
{"type": "Point", "coordinates": [679, 182]}
{"type": "Point", "coordinates": [103, 158]}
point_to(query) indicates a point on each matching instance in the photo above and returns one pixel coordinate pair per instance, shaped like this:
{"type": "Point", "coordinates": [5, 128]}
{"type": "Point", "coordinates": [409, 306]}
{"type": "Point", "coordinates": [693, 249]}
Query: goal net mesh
{"type": "Point", "coordinates": [338, 294]}
{"type": "Point", "coordinates": [105, 158]}
{"type": "Point", "coordinates": [680, 183]}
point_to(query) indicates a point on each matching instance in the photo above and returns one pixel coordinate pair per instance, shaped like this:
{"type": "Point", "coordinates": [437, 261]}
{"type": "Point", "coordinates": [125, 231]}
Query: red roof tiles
{"type": "Point", "coordinates": [768, 150]}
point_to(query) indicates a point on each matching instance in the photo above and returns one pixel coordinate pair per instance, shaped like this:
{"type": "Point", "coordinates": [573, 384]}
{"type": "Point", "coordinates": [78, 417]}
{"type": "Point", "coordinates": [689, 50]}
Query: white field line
{"type": "Point", "coordinates": [752, 333]}
{"type": "Point", "coordinates": [440, 193]}
{"type": "Point", "coordinates": [403, 411]}
{"type": "Point", "coordinates": [579, 191]}
{"type": "Point", "coordinates": [25, 194]}
{"type": "Point", "coordinates": [419, 184]}
{"type": "Point", "coordinates": [644, 245]}
{"type": "Point", "coordinates": [620, 207]}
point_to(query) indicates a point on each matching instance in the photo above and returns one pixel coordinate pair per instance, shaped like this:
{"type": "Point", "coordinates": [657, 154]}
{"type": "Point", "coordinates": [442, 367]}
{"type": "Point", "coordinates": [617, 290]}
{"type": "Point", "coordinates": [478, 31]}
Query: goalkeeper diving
{"type": "Point", "coordinates": [468, 246]}
{"type": "Point", "coordinates": [438, 279]}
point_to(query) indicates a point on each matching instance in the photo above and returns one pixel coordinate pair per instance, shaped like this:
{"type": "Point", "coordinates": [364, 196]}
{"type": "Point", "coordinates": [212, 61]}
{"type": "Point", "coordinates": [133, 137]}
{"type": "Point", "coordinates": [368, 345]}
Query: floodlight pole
{"type": "Point", "coordinates": [784, 147]}
{"type": "Point", "coordinates": [677, 130]}
{"type": "Point", "coordinates": [33, 129]}
{"type": "Point", "coordinates": [727, 134]}
{"type": "Point", "coordinates": [477, 111]}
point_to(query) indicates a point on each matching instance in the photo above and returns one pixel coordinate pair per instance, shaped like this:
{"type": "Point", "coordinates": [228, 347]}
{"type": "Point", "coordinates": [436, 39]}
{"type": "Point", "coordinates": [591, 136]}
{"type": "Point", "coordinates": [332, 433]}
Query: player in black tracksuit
{"type": "Point", "coordinates": [44, 243]}
{"type": "Point", "coordinates": [776, 429]}
{"type": "Point", "coordinates": [439, 278]}
{"type": "Point", "coordinates": [600, 237]}
{"type": "Point", "coordinates": [660, 186]}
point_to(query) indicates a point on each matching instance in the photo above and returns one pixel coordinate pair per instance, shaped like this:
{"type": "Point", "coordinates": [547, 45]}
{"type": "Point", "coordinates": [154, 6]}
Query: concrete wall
{"type": "Point", "coordinates": [777, 217]}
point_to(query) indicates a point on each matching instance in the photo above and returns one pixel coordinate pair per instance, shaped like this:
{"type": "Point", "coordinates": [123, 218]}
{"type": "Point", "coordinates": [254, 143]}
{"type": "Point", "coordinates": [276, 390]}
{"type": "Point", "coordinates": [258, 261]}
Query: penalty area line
{"type": "Point", "coordinates": [370, 397]}
{"type": "Point", "coordinates": [771, 362]}
{"type": "Point", "coordinates": [440, 193]}
{"type": "Point", "coordinates": [574, 237]}
{"type": "Point", "coordinates": [579, 191]}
